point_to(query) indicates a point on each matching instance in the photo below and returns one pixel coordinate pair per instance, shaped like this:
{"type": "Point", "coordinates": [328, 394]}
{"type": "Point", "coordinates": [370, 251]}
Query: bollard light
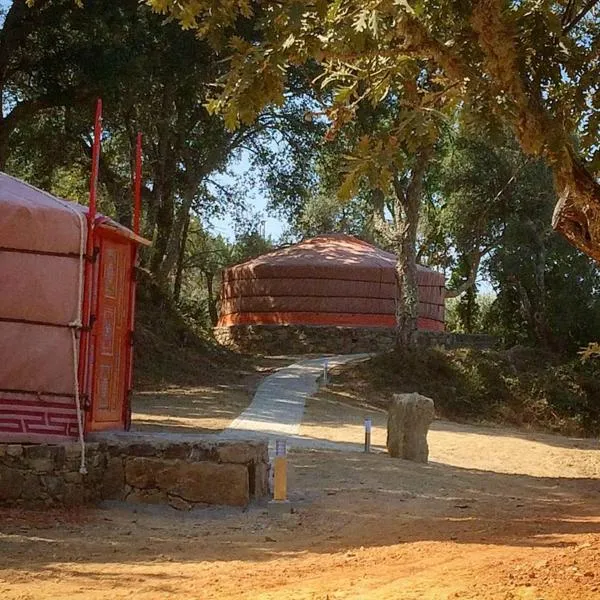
{"type": "Point", "coordinates": [280, 469]}
{"type": "Point", "coordinates": [368, 424]}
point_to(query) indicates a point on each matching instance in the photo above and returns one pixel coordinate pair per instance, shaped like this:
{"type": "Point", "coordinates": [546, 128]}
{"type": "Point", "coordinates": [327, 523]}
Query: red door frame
{"type": "Point", "coordinates": [130, 339]}
{"type": "Point", "coordinates": [93, 358]}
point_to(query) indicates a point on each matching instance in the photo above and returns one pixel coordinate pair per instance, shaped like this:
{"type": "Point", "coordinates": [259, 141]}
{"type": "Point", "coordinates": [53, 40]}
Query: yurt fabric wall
{"type": "Point", "coordinates": [333, 280]}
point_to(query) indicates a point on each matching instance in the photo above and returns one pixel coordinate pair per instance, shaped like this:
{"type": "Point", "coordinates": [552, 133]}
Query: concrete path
{"type": "Point", "coordinates": [278, 405]}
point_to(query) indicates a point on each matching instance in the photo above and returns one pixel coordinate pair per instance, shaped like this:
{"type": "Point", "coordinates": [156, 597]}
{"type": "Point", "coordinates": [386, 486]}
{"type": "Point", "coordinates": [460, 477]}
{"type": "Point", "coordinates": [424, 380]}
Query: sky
{"type": "Point", "coordinates": [273, 227]}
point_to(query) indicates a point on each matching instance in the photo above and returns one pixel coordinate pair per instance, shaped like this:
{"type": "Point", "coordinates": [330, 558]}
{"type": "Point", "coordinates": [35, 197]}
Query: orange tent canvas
{"type": "Point", "coordinates": [42, 257]}
{"type": "Point", "coordinates": [335, 280]}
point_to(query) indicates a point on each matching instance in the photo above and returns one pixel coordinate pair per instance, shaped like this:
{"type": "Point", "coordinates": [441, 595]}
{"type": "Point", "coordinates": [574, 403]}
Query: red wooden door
{"type": "Point", "coordinates": [110, 342]}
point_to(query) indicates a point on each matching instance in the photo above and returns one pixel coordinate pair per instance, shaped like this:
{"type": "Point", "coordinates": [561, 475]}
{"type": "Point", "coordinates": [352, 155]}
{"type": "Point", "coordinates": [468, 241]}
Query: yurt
{"type": "Point", "coordinates": [327, 281]}
{"type": "Point", "coordinates": [66, 317]}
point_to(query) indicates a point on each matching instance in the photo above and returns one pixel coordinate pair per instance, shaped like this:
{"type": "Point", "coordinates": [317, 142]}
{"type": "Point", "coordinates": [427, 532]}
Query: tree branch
{"type": "Point", "coordinates": [398, 187]}
{"type": "Point", "coordinates": [379, 222]}
{"type": "Point", "coordinates": [27, 108]}
{"type": "Point", "coordinates": [475, 260]}
{"type": "Point", "coordinates": [589, 5]}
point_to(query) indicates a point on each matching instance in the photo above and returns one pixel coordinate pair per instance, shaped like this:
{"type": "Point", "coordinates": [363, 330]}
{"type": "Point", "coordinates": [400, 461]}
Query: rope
{"type": "Point", "coordinates": [75, 325]}
{"type": "Point", "coordinates": [75, 328]}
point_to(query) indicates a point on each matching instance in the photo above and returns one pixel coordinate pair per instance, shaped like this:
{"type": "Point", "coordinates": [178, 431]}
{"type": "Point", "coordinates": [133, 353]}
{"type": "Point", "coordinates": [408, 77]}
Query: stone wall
{"type": "Point", "coordinates": [305, 339]}
{"type": "Point", "coordinates": [183, 471]}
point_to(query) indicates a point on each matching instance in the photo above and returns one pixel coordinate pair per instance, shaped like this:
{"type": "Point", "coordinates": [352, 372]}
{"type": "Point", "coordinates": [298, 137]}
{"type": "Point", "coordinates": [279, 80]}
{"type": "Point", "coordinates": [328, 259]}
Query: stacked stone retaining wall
{"type": "Point", "coordinates": [182, 471]}
{"type": "Point", "coordinates": [304, 339]}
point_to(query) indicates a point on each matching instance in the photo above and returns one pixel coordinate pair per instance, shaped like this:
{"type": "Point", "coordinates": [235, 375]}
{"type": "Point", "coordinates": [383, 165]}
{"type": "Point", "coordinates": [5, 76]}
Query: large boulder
{"type": "Point", "coordinates": [409, 417]}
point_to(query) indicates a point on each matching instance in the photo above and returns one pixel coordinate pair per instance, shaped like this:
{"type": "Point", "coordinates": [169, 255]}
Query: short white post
{"type": "Point", "coordinates": [368, 424]}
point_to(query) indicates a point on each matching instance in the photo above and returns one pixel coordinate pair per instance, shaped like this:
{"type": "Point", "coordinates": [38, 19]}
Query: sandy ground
{"type": "Point", "coordinates": [208, 408]}
{"type": "Point", "coordinates": [496, 514]}
{"type": "Point", "coordinates": [497, 449]}
{"type": "Point", "coordinates": [195, 409]}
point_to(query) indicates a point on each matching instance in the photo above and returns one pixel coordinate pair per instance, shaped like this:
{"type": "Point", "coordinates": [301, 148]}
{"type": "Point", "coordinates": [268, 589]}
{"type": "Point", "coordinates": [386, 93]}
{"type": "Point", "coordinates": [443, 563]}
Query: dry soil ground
{"type": "Point", "coordinates": [207, 408]}
{"type": "Point", "coordinates": [496, 514]}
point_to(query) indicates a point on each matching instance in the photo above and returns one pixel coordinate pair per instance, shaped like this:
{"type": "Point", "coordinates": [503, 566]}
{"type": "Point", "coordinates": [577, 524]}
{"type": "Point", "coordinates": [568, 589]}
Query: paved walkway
{"type": "Point", "coordinates": [278, 405]}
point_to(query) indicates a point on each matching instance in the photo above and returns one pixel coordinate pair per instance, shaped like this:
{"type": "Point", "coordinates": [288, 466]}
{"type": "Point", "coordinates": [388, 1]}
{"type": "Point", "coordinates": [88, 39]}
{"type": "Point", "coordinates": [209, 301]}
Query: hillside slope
{"type": "Point", "coordinates": [520, 386]}
{"type": "Point", "coordinates": [169, 351]}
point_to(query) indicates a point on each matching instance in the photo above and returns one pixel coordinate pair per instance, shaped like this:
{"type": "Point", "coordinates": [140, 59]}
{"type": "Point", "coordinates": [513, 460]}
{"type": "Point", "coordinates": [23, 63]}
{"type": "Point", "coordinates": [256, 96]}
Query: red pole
{"type": "Point", "coordinates": [137, 207]}
{"type": "Point", "coordinates": [95, 162]}
{"type": "Point", "coordinates": [137, 195]}
{"type": "Point", "coordinates": [86, 335]}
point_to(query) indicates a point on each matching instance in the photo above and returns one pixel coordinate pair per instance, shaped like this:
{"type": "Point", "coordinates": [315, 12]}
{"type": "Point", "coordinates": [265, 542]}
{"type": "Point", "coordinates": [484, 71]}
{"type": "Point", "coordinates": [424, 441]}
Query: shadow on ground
{"type": "Point", "coordinates": [343, 501]}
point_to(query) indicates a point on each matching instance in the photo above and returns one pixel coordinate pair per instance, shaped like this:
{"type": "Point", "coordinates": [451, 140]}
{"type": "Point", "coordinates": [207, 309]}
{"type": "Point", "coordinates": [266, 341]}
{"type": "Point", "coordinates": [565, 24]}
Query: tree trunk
{"type": "Point", "coordinates": [4, 146]}
{"type": "Point", "coordinates": [164, 225]}
{"type": "Point", "coordinates": [165, 169]}
{"type": "Point", "coordinates": [577, 212]}
{"type": "Point", "coordinates": [542, 331]}
{"type": "Point", "coordinates": [407, 300]}
{"type": "Point", "coordinates": [122, 198]}
{"type": "Point", "coordinates": [176, 238]}
{"type": "Point", "coordinates": [163, 220]}
{"type": "Point", "coordinates": [212, 302]}
{"type": "Point", "coordinates": [467, 309]}
{"type": "Point", "coordinates": [407, 205]}
{"type": "Point", "coordinates": [180, 259]}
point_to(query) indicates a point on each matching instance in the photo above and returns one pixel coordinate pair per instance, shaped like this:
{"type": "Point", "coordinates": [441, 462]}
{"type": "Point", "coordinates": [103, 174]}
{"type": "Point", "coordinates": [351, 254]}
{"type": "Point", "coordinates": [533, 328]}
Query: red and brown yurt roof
{"type": "Point", "coordinates": [331, 279]}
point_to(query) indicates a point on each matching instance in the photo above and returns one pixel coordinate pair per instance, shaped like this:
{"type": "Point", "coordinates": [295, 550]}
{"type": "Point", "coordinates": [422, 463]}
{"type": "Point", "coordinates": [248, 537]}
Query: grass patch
{"type": "Point", "coordinates": [171, 353]}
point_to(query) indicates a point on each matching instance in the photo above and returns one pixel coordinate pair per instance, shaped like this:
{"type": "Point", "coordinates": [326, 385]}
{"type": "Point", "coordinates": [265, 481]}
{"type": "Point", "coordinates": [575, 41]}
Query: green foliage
{"type": "Point", "coordinates": [205, 257]}
{"type": "Point", "coordinates": [380, 80]}
{"type": "Point", "coordinates": [250, 244]}
{"type": "Point", "coordinates": [328, 214]}
{"type": "Point", "coordinates": [491, 203]}
{"type": "Point", "coordinates": [474, 314]}
{"type": "Point", "coordinates": [153, 78]}
{"type": "Point", "coordinates": [481, 54]}
{"type": "Point", "coordinates": [522, 386]}
{"type": "Point", "coordinates": [532, 66]}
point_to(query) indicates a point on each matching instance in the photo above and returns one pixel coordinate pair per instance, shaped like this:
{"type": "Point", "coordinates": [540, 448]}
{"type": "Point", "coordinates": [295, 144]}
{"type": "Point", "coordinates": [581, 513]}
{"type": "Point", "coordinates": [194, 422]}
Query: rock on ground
{"type": "Point", "coordinates": [409, 418]}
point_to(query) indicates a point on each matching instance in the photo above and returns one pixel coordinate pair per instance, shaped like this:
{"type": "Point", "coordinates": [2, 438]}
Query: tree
{"type": "Point", "coordinates": [205, 256]}
{"type": "Point", "coordinates": [489, 212]}
{"type": "Point", "coordinates": [467, 308]}
{"type": "Point", "coordinates": [548, 292]}
{"type": "Point", "coordinates": [532, 65]}
{"type": "Point", "coordinates": [324, 212]}
{"type": "Point", "coordinates": [472, 189]}
{"type": "Point", "coordinates": [55, 58]}
{"type": "Point", "coordinates": [382, 174]}
{"type": "Point", "coordinates": [153, 78]}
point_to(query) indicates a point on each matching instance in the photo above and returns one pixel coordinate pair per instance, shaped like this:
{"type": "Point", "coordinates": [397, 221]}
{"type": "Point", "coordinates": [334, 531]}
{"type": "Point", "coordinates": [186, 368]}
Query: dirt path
{"type": "Point", "coordinates": [495, 449]}
{"type": "Point", "coordinates": [208, 407]}
{"type": "Point", "coordinates": [498, 514]}
{"type": "Point", "coordinates": [365, 527]}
